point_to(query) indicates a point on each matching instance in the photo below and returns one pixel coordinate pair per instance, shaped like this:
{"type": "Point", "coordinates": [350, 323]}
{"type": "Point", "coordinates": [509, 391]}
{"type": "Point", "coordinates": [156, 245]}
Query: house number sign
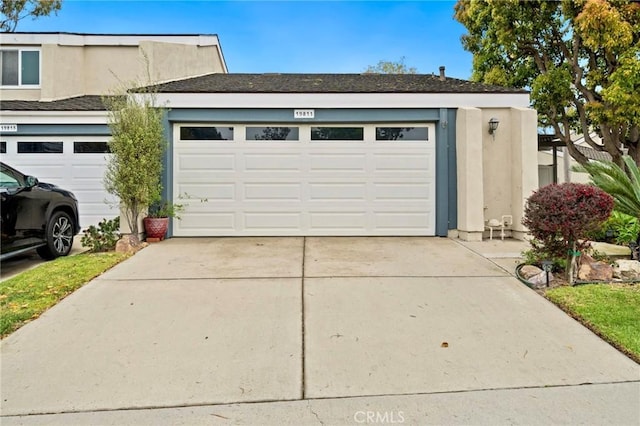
{"type": "Point", "coordinates": [8, 127]}
{"type": "Point", "coordinates": [304, 113]}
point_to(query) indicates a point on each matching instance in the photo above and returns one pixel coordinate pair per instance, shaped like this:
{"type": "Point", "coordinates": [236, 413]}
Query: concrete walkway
{"type": "Point", "coordinates": [272, 331]}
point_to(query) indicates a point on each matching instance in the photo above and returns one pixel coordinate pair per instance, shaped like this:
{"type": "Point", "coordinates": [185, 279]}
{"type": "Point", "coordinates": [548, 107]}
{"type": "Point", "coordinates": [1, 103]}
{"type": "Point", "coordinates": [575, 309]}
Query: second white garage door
{"type": "Point", "coordinates": [312, 179]}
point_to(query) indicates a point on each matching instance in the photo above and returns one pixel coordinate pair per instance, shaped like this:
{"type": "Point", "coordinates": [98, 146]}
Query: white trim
{"type": "Point", "coordinates": [65, 39]}
{"type": "Point", "coordinates": [54, 117]}
{"type": "Point", "coordinates": [343, 100]}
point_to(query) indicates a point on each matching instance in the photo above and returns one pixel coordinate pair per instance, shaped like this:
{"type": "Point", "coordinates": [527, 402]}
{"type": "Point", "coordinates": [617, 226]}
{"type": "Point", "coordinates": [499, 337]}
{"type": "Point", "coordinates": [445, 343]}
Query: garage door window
{"type": "Point", "coordinates": [402, 133]}
{"type": "Point", "coordinates": [39, 147]}
{"type": "Point", "coordinates": [337, 133]}
{"type": "Point", "coordinates": [206, 133]}
{"type": "Point", "coordinates": [90, 148]}
{"type": "Point", "coordinates": [273, 133]}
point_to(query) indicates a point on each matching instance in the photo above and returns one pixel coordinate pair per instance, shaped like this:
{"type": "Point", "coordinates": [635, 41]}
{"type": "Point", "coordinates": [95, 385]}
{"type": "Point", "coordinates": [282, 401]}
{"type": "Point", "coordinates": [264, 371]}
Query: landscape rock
{"type": "Point", "coordinates": [540, 280]}
{"type": "Point", "coordinates": [626, 269]}
{"type": "Point", "coordinates": [127, 244]}
{"type": "Point", "coordinates": [528, 271]}
{"type": "Point", "coordinates": [594, 270]}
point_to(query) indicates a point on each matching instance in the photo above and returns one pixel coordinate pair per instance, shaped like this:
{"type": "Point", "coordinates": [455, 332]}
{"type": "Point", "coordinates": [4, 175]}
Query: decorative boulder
{"type": "Point", "coordinates": [536, 277]}
{"type": "Point", "coordinates": [528, 271]}
{"type": "Point", "coordinates": [127, 244]}
{"type": "Point", "coordinates": [593, 270]}
{"type": "Point", "coordinates": [626, 269]}
{"type": "Point", "coordinates": [540, 280]}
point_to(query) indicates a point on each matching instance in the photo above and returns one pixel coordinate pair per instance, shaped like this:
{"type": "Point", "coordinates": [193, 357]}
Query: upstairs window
{"type": "Point", "coordinates": [20, 67]}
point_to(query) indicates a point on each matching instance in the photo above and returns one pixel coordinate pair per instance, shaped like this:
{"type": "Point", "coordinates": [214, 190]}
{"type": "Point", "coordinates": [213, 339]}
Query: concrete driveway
{"type": "Point", "coordinates": [310, 331]}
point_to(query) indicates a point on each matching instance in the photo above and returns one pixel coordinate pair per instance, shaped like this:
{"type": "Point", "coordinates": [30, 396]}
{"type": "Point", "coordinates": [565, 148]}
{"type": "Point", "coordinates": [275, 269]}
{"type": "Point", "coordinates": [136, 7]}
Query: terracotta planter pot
{"type": "Point", "coordinates": [156, 227]}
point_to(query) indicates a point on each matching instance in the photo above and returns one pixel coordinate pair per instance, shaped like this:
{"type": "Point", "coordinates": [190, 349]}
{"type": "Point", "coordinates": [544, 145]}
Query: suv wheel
{"type": "Point", "coordinates": [59, 236]}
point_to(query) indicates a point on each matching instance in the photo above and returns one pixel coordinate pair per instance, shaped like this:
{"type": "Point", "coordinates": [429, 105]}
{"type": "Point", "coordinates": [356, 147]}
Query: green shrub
{"type": "Point", "coordinates": [103, 237]}
{"type": "Point", "coordinates": [626, 228]}
{"type": "Point", "coordinates": [539, 253]}
{"type": "Point", "coordinates": [620, 229]}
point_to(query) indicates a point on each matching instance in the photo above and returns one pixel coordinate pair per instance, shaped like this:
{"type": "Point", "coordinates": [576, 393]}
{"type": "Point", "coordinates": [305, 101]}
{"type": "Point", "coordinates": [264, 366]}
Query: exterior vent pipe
{"type": "Point", "coordinates": [442, 77]}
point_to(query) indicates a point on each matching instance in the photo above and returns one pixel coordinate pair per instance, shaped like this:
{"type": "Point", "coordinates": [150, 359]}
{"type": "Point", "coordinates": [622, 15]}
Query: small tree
{"type": "Point", "coordinates": [559, 216]}
{"type": "Point", "coordinates": [137, 145]}
{"type": "Point", "coordinates": [389, 67]}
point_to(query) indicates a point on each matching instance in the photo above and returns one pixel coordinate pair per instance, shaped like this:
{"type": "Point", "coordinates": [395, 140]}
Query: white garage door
{"type": "Point", "coordinates": [76, 163]}
{"type": "Point", "coordinates": [250, 180]}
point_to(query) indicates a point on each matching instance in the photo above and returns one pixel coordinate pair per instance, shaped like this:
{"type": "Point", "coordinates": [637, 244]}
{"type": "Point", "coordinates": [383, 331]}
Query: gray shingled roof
{"type": "Point", "coordinates": [280, 83]}
{"type": "Point", "coordinates": [326, 83]}
{"type": "Point", "coordinates": [78, 103]}
{"type": "Point", "coordinates": [593, 154]}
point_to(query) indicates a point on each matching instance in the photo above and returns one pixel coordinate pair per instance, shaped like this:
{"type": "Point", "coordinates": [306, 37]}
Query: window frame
{"type": "Point", "coordinates": [20, 85]}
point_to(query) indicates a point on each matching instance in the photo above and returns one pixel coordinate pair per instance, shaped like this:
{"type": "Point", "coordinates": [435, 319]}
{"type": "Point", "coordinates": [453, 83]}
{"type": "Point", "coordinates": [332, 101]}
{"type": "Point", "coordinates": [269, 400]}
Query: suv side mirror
{"type": "Point", "coordinates": [31, 181]}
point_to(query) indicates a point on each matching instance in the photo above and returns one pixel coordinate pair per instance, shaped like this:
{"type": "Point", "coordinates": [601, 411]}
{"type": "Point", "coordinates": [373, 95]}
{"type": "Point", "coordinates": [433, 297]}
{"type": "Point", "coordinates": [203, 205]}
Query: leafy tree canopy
{"type": "Point", "coordinates": [14, 10]}
{"type": "Point", "coordinates": [390, 67]}
{"type": "Point", "coordinates": [580, 59]}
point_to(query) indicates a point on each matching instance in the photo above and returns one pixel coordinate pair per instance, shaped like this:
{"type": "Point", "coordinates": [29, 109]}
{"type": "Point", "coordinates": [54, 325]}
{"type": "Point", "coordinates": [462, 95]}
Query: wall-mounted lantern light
{"type": "Point", "coordinates": [493, 125]}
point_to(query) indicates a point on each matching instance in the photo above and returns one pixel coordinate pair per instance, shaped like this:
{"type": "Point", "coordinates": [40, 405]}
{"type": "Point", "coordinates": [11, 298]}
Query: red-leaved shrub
{"type": "Point", "coordinates": [560, 215]}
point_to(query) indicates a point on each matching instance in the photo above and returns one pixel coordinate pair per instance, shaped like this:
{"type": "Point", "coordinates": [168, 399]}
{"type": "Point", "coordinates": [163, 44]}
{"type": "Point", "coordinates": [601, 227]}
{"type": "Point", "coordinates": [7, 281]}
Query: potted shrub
{"type": "Point", "coordinates": [157, 221]}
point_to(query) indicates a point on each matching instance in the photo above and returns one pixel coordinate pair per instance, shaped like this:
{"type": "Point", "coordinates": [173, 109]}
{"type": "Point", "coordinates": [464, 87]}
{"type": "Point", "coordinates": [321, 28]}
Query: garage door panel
{"type": "Point", "coordinates": [274, 163]}
{"type": "Point", "coordinates": [195, 222]}
{"type": "Point", "coordinates": [415, 162]}
{"type": "Point", "coordinates": [272, 191]}
{"type": "Point", "coordinates": [339, 221]}
{"type": "Point", "coordinates": [207, 162]}
{"type": "Point", "coordinates": [399, 221]}
{"type": "Point", "coordinates": [356, 163]}
{"type": "Point", "coordinates": [267, 220]}
{"type": "Point", "coordinates": [337, 191]}
{"type": "Point", "coordinates": [213, 192]}
{"type": "Point", "coordinates": [400, 191]}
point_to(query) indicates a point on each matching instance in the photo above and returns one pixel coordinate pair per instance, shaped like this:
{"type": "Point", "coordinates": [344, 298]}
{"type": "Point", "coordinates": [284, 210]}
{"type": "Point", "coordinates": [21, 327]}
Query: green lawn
{"type": "Point", "coordinates": [27, 295]}
{"type": "Point", "coordinates": [611, 310]}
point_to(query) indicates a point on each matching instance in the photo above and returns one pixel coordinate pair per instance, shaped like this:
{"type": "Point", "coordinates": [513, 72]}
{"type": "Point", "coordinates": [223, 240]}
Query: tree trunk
{"type": "Point", "coordinates": [572, 261]}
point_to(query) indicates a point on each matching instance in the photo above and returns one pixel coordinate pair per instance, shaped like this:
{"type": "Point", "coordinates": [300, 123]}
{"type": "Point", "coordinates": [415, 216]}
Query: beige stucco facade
{"type": "Point", "coordinates": [496, 172]}
{"type": "Point", "coordinates": [76, 64]}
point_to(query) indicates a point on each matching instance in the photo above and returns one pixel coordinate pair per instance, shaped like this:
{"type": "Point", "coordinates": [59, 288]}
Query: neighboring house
{"type": "Point", "coordinates": [308, 154]}
{"type": "Point", "coordinates": [53, 123]}
{"type": "Point", "coordinates": [564, 165]}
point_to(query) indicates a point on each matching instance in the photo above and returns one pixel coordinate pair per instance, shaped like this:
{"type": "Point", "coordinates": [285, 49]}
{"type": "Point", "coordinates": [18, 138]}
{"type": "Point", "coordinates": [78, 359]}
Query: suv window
{"type": "Point", "coordinates": [10, 180]}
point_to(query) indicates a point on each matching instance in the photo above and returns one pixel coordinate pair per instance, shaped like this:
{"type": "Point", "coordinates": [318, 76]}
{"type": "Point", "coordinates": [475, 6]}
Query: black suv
{"type": "Point", "coordinates": [36, 215]}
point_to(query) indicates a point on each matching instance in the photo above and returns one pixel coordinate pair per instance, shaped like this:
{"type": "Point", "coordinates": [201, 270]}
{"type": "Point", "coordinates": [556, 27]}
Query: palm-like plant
{"type": "Point", "coordinates": [623, 186]}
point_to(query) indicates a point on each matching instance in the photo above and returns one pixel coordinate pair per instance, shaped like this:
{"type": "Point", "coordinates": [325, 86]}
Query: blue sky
{"type": "Point", "coordinates": [287, 36]}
